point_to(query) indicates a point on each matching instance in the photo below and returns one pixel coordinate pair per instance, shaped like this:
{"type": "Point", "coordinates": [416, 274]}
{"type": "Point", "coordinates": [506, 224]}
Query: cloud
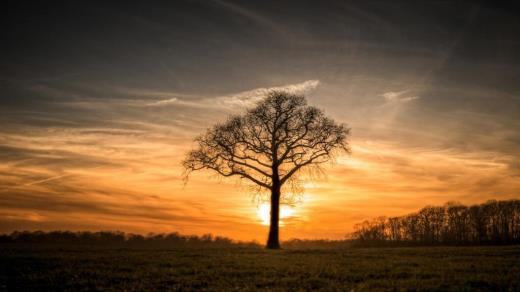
{"type": "Point", "coordinates": [399, 96]}
{"type": "Point", "coordinates": [250, 97]}
{"type": "Point", "coordinates": [240, 99]}
{"type": "Point", "coordinates": [166, 101]}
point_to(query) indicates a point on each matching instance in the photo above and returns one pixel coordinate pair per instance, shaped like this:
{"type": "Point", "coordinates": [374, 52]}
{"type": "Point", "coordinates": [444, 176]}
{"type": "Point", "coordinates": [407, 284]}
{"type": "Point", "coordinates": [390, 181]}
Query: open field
{"type": "Point", "coordinates": [437, 268]}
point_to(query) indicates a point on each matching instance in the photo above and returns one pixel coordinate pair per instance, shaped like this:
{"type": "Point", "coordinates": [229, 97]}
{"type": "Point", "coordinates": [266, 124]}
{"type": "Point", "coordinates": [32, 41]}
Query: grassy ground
{"type": "Point", "coordinates": [438, 268]}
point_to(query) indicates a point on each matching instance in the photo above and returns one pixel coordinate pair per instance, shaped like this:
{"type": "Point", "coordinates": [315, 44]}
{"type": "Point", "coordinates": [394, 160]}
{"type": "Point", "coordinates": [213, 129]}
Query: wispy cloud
{"type": "Point", "coordinates": [254, 16]}
{"type": "Point", "coordinates": [402, 96]}
{"type": "Point", "coordinates": [240, 99]}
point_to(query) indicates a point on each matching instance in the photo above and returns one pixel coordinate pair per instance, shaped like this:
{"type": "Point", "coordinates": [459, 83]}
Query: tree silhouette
{"type": "Point", "coordinates": [269, 145]}
{"type": "Point", "coordinates": [494, 222]}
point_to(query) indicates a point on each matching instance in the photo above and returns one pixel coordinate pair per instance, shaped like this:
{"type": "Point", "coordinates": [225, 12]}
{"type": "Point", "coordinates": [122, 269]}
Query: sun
{"type": "Point", "coordinates": [264, 215]}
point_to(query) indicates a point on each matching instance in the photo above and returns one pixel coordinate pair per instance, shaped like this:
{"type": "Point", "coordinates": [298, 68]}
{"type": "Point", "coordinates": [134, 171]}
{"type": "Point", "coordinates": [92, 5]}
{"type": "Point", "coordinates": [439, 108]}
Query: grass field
{"type": "Point", "coordinates": [437, 268]}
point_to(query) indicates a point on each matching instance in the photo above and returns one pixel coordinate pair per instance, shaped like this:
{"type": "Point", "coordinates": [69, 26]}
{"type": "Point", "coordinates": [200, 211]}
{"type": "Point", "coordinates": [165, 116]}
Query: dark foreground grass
{"type": "Point", "coordinates": [227, 269]}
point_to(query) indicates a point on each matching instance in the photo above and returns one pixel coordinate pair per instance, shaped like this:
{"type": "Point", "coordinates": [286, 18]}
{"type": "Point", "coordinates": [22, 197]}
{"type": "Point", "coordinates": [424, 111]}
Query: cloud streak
{"type": "Point", "coordinates": [399, 96]}
{"type": "Point", "coordinates": [240, 99]}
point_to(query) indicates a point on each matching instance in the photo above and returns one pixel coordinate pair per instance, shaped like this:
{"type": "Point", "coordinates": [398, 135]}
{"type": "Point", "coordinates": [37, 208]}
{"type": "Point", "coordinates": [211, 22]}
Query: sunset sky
{"type": "Point", "coordinates": [100, 102]}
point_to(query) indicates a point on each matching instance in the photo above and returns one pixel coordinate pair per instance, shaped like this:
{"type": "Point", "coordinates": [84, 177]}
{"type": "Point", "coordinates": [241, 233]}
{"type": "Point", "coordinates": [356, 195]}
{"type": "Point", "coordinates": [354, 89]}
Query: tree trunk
{"type": "Point", "coordinates": [273, 241]}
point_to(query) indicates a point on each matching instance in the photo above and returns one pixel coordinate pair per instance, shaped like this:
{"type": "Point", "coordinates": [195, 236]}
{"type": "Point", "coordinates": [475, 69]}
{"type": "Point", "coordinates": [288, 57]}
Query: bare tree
{"type": "Point", "coordinates": [269, 145]}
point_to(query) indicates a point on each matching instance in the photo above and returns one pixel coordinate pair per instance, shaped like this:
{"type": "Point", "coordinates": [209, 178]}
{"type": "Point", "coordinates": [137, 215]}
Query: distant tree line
{"type": "Point", "coordinates": [493, 222]}
{"type": "Point", "coordinates": [118, 239]}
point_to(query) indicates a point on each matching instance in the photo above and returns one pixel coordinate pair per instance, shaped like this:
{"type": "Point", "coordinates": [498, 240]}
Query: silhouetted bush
{"type": "Point", "coordinates": [493, 222]}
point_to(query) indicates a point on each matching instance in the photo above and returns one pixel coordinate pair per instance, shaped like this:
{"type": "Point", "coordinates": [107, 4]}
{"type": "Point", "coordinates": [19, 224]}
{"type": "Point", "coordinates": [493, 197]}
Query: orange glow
{"type": "Point", "coordinates": [143, 192]}
{"type": "Point", "coordinates": [130, 178]}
